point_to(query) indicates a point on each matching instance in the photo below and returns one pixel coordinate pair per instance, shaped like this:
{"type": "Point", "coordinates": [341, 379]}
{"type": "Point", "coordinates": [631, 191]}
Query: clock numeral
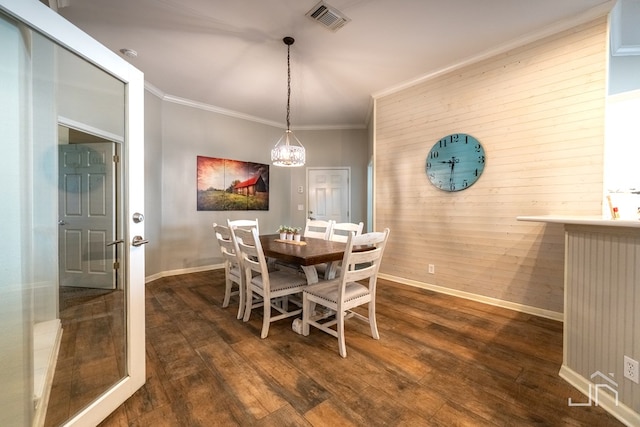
{"type": "Point", "coordinates": [478, 148]}
{"type": "Point", "coordinates": [476, 172]}
{"type": "Point", "coordinates": [480, 159]}
{"type": "Point", "coordinates": [428, 165]}
{"type": "Point", "coordinates": [452, 186]}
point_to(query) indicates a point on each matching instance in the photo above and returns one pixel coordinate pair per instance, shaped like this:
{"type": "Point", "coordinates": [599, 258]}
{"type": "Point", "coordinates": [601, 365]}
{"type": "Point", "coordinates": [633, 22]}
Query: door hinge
{"type": "Point", "coordinates": [116, 265]}
{"type": "Point", "coordinates": [116, 159]}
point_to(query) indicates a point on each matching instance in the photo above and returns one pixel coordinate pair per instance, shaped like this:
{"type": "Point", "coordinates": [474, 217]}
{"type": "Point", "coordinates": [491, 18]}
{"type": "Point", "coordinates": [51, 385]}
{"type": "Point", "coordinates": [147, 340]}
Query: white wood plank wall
{"type": "Point", "coordinates": [602, 318]}
{"type": "Point", "coordinates": [539, 112]}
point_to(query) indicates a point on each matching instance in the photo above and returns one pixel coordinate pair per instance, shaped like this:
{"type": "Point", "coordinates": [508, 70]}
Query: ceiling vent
{"type": "Point", "coordinates": [329, 17]}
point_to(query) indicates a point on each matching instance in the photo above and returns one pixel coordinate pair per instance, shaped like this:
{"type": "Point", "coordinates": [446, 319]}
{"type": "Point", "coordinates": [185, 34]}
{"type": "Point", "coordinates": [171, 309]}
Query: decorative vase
{"type": "Point", "coordinates": [283, 236]}
{"type": "Point", "coordinates": [289, 236]}
{"type": "Point", "coordinates": [296, 237]}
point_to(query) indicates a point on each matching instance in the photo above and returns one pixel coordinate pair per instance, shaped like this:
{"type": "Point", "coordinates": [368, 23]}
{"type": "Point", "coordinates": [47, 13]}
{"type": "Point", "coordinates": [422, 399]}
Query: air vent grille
{"type": "Point", "coordinates": [328, 16]}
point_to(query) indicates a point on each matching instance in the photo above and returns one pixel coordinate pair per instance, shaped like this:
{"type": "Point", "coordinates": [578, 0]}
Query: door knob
{"type": "Point", "coordinates": [139, 241]}
{"type": "Point", "coordinates": [138, 217]}
{"type": "Point", "coordinates": [115, 242]}
{"type": "Point", "coordinates": [62, 222]}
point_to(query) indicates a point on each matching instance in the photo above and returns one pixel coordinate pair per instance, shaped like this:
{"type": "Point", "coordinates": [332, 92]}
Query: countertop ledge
{"type": "Point", "coordinates": [581, 220]}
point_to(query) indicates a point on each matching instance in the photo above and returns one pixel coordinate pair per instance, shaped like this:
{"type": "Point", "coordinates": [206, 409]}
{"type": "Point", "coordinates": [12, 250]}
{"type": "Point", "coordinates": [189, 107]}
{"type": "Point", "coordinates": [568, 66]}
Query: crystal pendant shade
{"type": "Point", "coordinates": [286, 154]}
{"type": "Point", "coordinates": [288, 151]}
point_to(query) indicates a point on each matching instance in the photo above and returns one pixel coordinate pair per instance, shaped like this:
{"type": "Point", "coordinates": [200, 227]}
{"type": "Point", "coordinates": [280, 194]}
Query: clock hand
{"type": "Point", "coordinates": [453, 163]}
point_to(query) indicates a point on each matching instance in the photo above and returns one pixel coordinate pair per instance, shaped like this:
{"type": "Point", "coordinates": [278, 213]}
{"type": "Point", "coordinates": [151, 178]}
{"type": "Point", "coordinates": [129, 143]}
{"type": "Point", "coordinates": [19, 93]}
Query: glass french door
{"type": "Point", "coordinates": [51, 72]}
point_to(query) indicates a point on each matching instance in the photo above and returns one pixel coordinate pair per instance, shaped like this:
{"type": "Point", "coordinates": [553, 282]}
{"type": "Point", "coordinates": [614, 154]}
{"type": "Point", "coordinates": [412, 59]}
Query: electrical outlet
{"type": "Point", "coordinates": [432, 269]}
{"type": "Point", "coordinates": [631, 369]}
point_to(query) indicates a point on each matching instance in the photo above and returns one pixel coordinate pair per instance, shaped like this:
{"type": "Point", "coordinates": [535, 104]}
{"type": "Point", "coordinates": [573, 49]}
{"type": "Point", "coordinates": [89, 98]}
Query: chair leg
{"type": "Point", "coordinates": [242, 298]}
{"type": "Point", "coordinates": [372, 320]}
{"type": "Point", "coordinates": [248, 305]}
{"type": "Point", "coordinates": [227, 293]}
{"type": "Point", "coordinates": [342, 347]}
{"type": "Point", "coordinates": [266, 318]}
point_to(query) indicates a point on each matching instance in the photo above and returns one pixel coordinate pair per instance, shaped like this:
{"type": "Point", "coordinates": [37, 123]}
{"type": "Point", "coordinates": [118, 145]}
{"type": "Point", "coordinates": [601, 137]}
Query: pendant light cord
{"type": "Point", "coordinates": [288, 86]}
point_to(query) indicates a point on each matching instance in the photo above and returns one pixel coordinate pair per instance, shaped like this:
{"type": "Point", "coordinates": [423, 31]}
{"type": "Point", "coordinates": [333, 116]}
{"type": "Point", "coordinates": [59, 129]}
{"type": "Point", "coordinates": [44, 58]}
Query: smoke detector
{"type": "Point", "coordinates": [329, 17]}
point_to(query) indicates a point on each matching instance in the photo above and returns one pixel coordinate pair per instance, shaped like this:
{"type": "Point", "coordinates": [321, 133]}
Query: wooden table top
{"type": "Point", "coordinates": [316, 251]}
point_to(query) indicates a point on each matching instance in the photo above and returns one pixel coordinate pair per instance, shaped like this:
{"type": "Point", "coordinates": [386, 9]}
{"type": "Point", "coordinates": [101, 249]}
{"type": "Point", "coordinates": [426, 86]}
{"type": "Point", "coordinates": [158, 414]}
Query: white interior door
{"type": "Point", "coordinates": [87, 215]}
{"type": "Point", "coordinates": [329, 194]}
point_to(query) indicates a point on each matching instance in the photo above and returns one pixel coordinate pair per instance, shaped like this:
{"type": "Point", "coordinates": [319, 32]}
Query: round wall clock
{"type": "Point", "coordinates": [455, 162]}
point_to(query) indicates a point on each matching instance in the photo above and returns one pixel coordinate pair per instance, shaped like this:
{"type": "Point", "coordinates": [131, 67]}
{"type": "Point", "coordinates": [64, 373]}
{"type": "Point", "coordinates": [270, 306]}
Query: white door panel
{"type": "Point", "coordinates": [328, 193]}
{"type": "Point", "coordinates": [87, 215]}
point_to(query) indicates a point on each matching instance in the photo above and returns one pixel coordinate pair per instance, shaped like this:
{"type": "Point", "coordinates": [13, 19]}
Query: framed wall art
{"type": "Point", "coordinates": [232, 185]}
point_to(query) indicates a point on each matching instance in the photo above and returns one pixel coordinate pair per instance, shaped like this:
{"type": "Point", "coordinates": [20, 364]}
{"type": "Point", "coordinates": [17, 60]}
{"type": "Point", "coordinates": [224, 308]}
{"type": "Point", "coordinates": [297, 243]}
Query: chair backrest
{"type": "Point", "coordinates": [318, 229]}
{"type": "Point", "coordinates": [251, 252]}
{"type": "Point", "coordinates": [358, 264]}
{"type": "Point", "coordinates": [341, 230]}
{"type": "Point", "coordinates": [228, 245]}
{"type": "Point", "coordinates": [243, 223]}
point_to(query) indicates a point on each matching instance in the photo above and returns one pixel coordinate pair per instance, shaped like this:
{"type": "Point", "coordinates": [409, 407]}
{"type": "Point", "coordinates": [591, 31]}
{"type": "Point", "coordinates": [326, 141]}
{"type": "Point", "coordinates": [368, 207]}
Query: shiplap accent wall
{"type": "Point", "coordinates": [538, 110]}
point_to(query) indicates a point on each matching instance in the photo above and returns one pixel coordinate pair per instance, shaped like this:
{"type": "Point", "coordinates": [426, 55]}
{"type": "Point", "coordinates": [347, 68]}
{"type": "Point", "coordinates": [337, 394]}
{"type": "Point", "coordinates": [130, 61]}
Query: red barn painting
{"type": "Point", "coordinates": [231, 185]}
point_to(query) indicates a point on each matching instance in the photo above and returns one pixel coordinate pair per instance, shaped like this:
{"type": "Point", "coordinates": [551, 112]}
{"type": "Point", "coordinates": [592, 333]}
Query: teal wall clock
{"type": "Point", "coordinates": [455, 162]}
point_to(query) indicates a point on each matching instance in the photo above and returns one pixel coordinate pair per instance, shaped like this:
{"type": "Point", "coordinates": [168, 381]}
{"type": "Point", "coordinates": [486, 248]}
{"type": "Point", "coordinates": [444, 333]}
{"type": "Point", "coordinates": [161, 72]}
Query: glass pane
{"type": "Point", "coordinates": [61, 282]}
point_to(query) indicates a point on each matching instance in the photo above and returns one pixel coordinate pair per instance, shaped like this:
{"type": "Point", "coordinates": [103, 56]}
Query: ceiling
{"type": "Point", "coordinates": [229, 55]}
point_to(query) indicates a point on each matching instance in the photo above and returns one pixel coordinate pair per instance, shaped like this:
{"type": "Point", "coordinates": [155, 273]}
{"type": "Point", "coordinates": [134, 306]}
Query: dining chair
{"type": "Point", "coordinates": [340, 296]}
{"type": "Point", "coordinates": [243, 223]}
{"type": "Point", "coordinates": [317, 228]}
{"type": "Point", "coordinates": [274, 287]}
{"type": "Point", "coordinates": [340, 231]}
{"type": "Point", "coordinates": [232, 267]}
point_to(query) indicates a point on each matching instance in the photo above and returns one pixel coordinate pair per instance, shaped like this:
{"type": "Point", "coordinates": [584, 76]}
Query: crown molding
{"type": "Point", "coordinates": [555, 28]}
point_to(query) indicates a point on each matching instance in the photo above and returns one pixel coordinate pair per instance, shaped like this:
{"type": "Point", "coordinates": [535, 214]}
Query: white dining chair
{"type": "Point", "coordinates": [273, 287]}
{"type": "Point", "coordinates": [340, 231]}
{"type": "Point", "coordinates": [346, 292]}
{"type": "Point", "coordinates": [243, 223]}
{"type": "Point", "coordinates": [232, 267]}
{"type": "Point", "coordinates": [318, 229]}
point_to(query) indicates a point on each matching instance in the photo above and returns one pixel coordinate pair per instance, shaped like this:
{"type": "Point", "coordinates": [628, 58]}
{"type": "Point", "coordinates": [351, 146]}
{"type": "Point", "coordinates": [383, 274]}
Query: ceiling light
{"type": "Point", "coordinates": [288, 150]}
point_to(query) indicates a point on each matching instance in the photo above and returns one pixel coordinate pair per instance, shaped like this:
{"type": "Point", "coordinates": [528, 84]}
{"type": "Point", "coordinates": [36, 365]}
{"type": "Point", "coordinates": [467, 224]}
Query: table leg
{"type": "Point", "coordinates": [311, 273]}
{"type": "Point", "coordinates": [332, 268]}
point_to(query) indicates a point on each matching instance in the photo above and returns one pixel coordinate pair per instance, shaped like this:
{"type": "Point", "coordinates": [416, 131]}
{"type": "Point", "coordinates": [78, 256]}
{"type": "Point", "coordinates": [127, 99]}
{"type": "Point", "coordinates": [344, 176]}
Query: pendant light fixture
{"type": "Point", "coordinates": [288, 151]}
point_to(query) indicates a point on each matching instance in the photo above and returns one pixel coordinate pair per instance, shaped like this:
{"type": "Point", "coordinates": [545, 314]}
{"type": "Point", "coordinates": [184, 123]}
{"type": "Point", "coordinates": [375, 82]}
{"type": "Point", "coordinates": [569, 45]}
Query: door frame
{"type": "Point", "coordinates": [40, 18]}
{"type": "Point", "coordinates": [84, 278]}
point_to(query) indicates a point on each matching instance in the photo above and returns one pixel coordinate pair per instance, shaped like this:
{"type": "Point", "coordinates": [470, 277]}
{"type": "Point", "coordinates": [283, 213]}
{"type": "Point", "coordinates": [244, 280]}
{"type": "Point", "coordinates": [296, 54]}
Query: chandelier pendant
{"type": "Point", "coordinates": [288, 151]}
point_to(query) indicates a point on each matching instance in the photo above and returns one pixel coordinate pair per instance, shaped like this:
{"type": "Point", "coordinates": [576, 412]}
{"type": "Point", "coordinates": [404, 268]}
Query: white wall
{"type": "Point", "coordinates": [181, 237]}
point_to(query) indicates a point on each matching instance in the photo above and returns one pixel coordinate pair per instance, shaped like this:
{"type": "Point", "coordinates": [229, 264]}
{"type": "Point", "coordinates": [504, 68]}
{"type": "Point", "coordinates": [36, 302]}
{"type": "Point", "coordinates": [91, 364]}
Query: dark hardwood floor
{"type": "Point", "coordinates": [91, 356]}
{"type": "Point", "coordinates": [441, 361]}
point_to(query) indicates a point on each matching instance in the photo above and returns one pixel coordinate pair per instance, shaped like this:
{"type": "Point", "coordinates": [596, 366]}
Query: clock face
{"type": "Point", "coordinates": [455, 162]}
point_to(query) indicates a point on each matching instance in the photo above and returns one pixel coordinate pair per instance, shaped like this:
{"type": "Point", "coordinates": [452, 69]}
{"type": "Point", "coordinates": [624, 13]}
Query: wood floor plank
{"type": "Point", "coordinates": [441, 361]}
{"type": "Point", "coordinates": [250, 388]}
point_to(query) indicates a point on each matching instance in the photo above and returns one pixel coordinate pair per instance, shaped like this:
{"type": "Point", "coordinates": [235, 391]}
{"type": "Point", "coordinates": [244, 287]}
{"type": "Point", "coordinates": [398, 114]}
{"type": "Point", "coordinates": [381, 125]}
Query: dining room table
{"type": "Point", "coordinates": [306, 253]}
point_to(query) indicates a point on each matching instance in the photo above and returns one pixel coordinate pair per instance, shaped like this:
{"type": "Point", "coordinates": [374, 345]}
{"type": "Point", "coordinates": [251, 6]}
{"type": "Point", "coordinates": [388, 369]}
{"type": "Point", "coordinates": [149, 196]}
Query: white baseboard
{"type": "Point", "coordinates": [606, 401]}
{"type": "Point", "coordinates": [47, 338]}
{"type": "Point", "coordinates": [540, 312]}
{"type": "Point", "coordinates": [182, 271]}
